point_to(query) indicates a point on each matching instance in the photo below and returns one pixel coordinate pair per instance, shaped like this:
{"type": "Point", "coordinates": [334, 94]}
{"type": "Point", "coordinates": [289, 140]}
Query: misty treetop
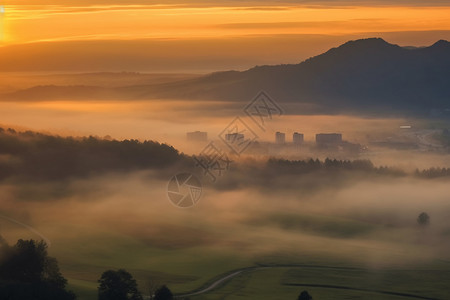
{"type": "Point", "coordinates": [39, 156]}
{"type": "Point", "coordinates": [31, 155]}
{"type": "Point", "coordinates": [313, 165]}
{"type": "Point", "coordinates": [433, 173]}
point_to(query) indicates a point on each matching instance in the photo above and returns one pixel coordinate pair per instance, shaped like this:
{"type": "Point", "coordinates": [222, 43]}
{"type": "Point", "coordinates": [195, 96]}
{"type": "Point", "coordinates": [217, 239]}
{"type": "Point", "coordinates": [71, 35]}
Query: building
{"type": "Point", "coordinates": [197, 136]}
{"type": "Point", "coordinates": [280, 137]}
{"type": "Point", "coordinates": [234, 137]}
{"type": "Point", "coordinates": [328, 138]}
{"type": "Point", "coordinates": [297, 138]}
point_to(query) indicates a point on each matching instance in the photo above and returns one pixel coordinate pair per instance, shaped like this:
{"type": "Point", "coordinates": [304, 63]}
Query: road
{"type": "Point", "coordinates": [219, 282]}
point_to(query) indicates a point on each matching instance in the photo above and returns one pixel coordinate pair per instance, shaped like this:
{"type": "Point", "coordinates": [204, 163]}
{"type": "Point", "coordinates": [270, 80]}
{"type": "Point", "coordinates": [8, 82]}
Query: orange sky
{"type": "Point", "coordinates": [25, 23]}
{"type": "Point", "coordinates": [211, 21]}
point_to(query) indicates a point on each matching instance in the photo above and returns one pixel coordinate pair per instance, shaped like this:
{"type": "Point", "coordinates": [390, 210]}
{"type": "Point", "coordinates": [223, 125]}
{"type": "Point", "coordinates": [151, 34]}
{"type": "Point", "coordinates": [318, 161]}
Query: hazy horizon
{"type": "Point", "coordinates": [202, 36]}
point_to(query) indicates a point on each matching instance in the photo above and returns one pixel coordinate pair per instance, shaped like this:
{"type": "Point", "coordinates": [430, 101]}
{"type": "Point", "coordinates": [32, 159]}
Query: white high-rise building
{"type": "Point", "coordinates": [234, 138]}
{"type": "Point", "coordinates": [280, 137]}
{"type": "Point", "coordinates": [297, 138]}
{"type": "Point", "coordinates": [197, 136]}
{"type": "Point", "coordinates": [328, 138]}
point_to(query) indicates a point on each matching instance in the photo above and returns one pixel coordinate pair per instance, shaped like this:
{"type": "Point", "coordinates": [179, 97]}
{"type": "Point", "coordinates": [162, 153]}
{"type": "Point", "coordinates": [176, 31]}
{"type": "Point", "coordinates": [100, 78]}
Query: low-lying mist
{"type": "Point", "coordinates": [168, 121]}
{"type": "Point", "coordinates": [99, 199]}
{"type": "Point", "coordinates": [370, 220]}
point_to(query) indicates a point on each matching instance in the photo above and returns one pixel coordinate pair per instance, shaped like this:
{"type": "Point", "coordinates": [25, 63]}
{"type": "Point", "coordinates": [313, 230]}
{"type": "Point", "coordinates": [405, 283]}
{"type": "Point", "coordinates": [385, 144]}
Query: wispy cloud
{"type": "Point", "coordinates": [236, 3]}
{"type": "Point", "coordinates": [22, 12]}
{"type": "Point", "coordinates": [311, 24]}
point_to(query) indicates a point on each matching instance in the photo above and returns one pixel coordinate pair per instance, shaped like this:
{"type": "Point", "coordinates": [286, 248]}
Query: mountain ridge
{"type": "Point", "coordinates": [361, 75]}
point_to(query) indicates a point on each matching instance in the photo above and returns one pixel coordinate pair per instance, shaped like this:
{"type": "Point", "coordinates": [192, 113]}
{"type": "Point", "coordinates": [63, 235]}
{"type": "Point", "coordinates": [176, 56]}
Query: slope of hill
{"type": "Point", "coordinates": [362, 76]}
{"type": "Point", "coordinates": [366, 75]}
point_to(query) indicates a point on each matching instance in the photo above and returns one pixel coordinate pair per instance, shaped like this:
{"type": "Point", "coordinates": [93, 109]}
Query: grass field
{"type": "Point", "coordinates": [328, 243]}
{"type": "Point", "coordinates": [334, 283]}
{"type": "Point", "coordinates": [184, 270]}
{"type": "Point", "coordinates": [323, 282]}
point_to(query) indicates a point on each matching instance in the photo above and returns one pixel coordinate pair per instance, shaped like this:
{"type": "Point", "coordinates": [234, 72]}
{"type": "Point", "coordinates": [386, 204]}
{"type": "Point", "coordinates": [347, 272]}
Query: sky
{"type": "Point", "coordinates": [201, 36]}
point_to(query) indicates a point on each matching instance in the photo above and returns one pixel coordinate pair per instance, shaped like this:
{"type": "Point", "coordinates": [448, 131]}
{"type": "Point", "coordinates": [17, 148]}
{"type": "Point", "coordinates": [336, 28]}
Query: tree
{"type": "Point", "coordinates": [163, 293]}
{"type": "Point", "coordinates": [152, 286]}
{"type": "Point", "coordinates": [25, 261]}
{"type": "Point", "coordinates": [304, 296]}
{"type": "Point", "coordinates": [27, 272]}
{"type": "Point", "coordinates": [423, 219]}
{"type": "Point", "coordinates": [118, 285]}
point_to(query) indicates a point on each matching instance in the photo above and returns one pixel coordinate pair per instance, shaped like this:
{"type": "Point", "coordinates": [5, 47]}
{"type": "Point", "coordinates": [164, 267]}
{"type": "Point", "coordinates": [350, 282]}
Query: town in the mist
{"type": "Point", "coordinates": [234, 150]}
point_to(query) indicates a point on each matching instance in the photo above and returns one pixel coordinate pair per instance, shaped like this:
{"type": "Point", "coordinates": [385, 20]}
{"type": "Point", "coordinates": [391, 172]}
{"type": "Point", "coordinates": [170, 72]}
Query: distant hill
{"type": "Point", "coordinates": [364, 76]}
{"type": "Point", "coordinates": [53, 92]}
{"type": "Point", "coordinates": [23, 81]}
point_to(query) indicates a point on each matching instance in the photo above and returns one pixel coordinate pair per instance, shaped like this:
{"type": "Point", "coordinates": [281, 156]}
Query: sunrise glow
{"type": "Point", "coordinates": [56, 23]}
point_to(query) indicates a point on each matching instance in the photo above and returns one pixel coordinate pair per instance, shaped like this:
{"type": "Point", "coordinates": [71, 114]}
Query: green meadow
{"type": "Point", "coordinates": [277, 275]}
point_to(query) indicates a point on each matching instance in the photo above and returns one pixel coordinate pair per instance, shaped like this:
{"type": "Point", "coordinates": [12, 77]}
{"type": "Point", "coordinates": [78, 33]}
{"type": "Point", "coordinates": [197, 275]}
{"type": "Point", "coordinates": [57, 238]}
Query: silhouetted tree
{"type": "Point", "coordinates": [304, 296]}
{"type": "Point", "coordinates": [163, 293]}
{"type": "Point", "coordinates": [423, 219]}
{"type": "Point", "coordinates": [118, 285]}
{"type": "Point", "coordinates": [27, 272]}
{"type": "Point", "coordinates": [152, 286]}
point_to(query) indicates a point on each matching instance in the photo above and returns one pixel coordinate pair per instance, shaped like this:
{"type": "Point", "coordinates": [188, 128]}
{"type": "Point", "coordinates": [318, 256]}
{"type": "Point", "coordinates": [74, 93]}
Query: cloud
{"type": "Point", "coordinates": [30, 12]}
{"type": "Point", "coordinates": [222, 3]}
{"type": "Point", "coordinates": [312, 24]}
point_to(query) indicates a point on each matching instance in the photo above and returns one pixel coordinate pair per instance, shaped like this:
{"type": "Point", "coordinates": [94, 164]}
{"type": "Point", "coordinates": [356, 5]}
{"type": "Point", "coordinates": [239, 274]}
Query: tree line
{"type": "Point", "coordinates": [47, 157]}
{"type": "Point", "coordinates": [27, 272]}
{"type": "Point", "coordinates": [433, 173]}
{"type": "Point", "coordinates": [31, 155]}
{"type": "Point", "coordinates": [312, 165]}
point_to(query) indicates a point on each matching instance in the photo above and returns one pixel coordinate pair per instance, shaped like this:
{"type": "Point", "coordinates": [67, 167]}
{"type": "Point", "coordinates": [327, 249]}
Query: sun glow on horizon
{"type": "Point", "coordinates": [193, 38]}
{"type": "Point", "coordinates": [2, 26]}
